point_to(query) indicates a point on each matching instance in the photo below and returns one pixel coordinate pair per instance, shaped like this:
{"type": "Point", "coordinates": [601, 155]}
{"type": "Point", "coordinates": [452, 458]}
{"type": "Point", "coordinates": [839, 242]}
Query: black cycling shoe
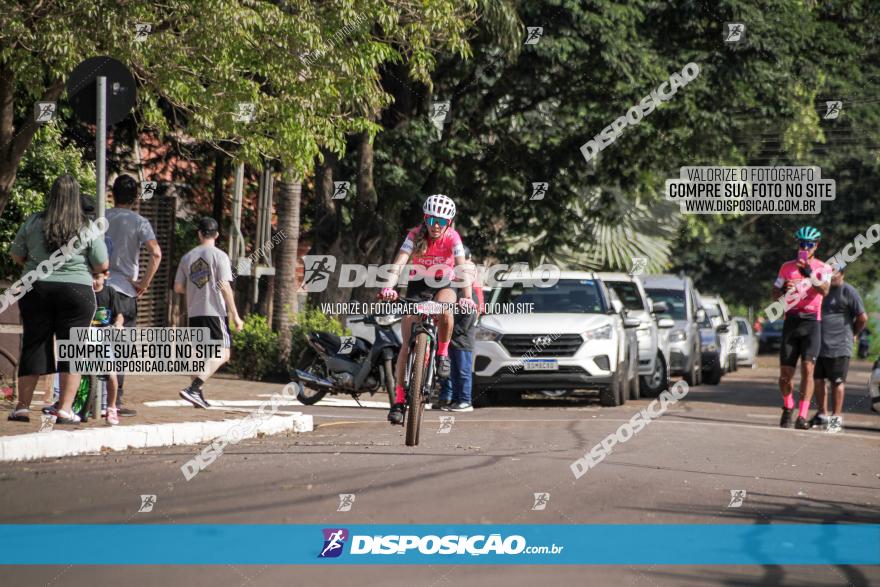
{"type": "Point", "coordinates": [820, 420]}
{"type": "Point", "coordinates": [785, 421]}
{"type": "Point", "coordinates": [395, 414]}
{"type": "Point", "coordinates": [444, 367]}
{"type": "Point", "coordinates": [802, 424]}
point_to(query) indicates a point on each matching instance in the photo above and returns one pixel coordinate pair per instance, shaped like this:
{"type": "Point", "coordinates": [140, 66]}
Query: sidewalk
{"type": "Point", "coordinates": [161, 415]}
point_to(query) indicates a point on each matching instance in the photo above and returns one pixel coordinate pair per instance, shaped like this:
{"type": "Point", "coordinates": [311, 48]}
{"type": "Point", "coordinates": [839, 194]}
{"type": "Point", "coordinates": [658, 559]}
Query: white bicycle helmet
{"type": "Point", "coordinates": [440, 206]}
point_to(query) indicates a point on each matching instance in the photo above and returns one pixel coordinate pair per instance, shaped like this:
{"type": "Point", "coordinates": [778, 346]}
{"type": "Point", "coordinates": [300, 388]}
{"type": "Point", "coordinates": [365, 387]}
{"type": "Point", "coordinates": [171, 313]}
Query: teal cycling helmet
{"type": "Point", "coordinates": [808, 233]}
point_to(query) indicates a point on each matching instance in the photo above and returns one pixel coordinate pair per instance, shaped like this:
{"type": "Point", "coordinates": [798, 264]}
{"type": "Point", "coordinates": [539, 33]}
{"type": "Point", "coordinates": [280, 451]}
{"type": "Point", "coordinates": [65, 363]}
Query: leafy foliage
{"type": "Point", "coordinates": [40, 166]}
{"type": "Point", "coordinates": [310, 69]}
{"type": "Point", "coordinates": [255, 348]}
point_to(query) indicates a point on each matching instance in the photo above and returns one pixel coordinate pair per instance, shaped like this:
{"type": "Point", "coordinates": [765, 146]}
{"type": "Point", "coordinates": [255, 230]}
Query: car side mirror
{"type": "Point", "coordinates": [661, 307]}
{"type": "Point", "coordinates": [722, 328]}
{"type": "Point", "coordinates": [701, 315]}
{"type": "Point", "coordinates": [665, 323]}
{"type": "Point", "coordinates": [631, 322]}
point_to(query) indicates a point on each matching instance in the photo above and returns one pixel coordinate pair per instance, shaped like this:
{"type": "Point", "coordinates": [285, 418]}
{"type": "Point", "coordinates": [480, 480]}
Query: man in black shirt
{"type": "Point", "coordinates": [843, 317]}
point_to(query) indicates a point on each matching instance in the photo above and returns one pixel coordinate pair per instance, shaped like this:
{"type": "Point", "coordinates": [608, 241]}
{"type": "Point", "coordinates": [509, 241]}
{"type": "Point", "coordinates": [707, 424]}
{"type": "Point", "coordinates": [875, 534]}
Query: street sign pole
{"type": "Point", "coordinates": [101, 144]}
{"type": "Point", "coordinates": [101, 196]}
{"type": "Point", "coordinates": [114, 93]}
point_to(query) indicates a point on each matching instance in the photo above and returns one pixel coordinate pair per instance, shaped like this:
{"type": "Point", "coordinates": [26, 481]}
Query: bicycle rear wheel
{"type": "Point", "coordinates": [414, 393]}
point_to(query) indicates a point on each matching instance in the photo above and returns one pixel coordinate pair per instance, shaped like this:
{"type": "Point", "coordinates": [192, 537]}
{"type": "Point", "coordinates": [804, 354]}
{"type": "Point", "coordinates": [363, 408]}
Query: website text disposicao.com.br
{"type": "Point", "coordinates": [403, 544]}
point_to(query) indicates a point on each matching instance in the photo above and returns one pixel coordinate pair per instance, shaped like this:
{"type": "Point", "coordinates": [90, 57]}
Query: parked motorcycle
{"type": "Point", "coordinates": [349, 364]}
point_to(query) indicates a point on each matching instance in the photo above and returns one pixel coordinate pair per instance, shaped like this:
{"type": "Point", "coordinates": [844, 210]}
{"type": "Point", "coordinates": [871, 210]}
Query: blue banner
{"type": "Point", "coordinates": [269, 544]}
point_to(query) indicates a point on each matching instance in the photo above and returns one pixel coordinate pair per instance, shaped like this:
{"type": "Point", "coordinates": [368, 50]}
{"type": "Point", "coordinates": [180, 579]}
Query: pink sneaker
{"type": "Point", "coordinates": [112, 417]}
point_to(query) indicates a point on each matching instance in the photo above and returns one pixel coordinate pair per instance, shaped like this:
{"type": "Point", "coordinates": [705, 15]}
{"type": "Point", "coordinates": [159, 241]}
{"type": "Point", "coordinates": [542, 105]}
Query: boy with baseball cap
{"type": "Point", "coordinates": [203, 276]}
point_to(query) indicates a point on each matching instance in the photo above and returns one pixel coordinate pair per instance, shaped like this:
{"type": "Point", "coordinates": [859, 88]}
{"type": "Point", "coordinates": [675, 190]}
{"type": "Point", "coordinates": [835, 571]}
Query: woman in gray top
{"type": "Point", "coordinates": [59, 252]}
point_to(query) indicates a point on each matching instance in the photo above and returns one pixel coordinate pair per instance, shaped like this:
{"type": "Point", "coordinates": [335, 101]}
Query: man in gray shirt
{"type": "Point", "coordinates": [843, 317]}
{"type": "Point", "coordinates": [203, 276]}
{"type": "Point", "coordinates": [128, 232]}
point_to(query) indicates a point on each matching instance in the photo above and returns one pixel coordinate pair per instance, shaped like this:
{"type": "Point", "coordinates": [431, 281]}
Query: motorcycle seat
{"type": "Point", "coordinates": [332, 342]}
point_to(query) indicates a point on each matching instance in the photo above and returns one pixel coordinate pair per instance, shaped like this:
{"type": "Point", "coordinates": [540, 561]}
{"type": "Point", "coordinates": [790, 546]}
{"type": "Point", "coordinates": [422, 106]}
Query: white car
{"type": "Point", "coordinates": [746, 343]}
{"type": "Point", "coordinates": [565, 337]}
{"type": "Point", "coordinates": [652, 332]}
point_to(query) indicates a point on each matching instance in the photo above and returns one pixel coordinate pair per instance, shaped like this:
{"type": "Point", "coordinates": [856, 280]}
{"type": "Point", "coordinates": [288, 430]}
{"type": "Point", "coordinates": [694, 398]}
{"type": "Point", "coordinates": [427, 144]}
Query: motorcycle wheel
{"type": "Point", "coordinates": [311, 363]}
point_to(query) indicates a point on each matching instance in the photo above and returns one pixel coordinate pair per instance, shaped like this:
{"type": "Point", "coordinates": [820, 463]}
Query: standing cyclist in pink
{"type": "Point", "coordinates": [802, 284]}
{"type": "Point", "coordinates": [436, 250]}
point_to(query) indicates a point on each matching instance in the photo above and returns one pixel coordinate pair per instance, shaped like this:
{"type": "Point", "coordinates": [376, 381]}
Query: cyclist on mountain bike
{"type": "Point", "coordinates": [803, 284]}
{"type": "Point", "coordinates": [436, 251]}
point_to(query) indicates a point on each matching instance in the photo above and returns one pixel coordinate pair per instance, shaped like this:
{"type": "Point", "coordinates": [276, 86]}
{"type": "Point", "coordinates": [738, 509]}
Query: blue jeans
{"type": "Point", "coordinates": [458, 387]}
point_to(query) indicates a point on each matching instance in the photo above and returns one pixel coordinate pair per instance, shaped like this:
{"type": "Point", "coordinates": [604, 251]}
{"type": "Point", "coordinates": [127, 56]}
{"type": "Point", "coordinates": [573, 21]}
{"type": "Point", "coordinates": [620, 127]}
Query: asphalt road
{"type": "Point", "coordinates": [485, 469]}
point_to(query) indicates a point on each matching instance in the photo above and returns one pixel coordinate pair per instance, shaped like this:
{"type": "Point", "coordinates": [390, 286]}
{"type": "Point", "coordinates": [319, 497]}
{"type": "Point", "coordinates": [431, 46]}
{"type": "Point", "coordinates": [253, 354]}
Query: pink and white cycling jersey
{"type": "Point", "coordinates": [442, 252]}
{"type": "Point", "coordinates": [807, 300]}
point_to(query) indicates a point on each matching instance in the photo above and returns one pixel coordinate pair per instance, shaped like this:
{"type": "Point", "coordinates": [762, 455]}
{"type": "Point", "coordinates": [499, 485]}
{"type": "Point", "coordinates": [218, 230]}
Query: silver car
{"type": "Point", "coordinates": [652, 334]}
{"type": "Point", "coordinates": [720, 318]}
{"type": "Point", "coordinates": [682, 305]}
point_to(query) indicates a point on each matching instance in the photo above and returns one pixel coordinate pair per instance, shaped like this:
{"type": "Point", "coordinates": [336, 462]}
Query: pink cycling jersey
{"type": "Point", "coordinates": [807, 300]}
{"type": "Point", "coordinates": [441, 252]}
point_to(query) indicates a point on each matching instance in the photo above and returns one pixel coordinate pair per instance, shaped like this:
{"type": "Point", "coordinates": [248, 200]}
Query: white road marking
{"type": "Point", "coordinates": [466, 420]}
{"type": "Point", "coordinates": [249, 403]}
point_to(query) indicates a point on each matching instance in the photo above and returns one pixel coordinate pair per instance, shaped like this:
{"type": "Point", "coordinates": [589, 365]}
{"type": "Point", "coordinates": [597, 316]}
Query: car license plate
{"type": "Point", "coordinates": [541, 365]}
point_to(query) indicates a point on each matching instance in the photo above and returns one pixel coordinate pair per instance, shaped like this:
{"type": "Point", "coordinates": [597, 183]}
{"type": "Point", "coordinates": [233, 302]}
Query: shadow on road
{"type": "Point", "coordinates": [765, 509]}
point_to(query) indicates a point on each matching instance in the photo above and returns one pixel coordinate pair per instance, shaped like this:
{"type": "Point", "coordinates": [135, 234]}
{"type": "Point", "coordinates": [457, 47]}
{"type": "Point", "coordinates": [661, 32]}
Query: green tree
{"type": "Point", "coordinates": [309, 68]}
{"type": "Point", "coordinates": [40, 166]}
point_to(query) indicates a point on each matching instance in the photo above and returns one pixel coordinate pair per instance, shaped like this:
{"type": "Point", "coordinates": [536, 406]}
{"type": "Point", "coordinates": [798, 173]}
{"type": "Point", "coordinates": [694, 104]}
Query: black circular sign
{"type": "Point", "coordinates": [82, 89]}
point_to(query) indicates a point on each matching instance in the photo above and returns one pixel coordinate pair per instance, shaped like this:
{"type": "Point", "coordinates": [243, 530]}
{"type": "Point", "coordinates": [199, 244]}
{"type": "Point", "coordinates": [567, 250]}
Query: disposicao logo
{"type": "Point", "coordinates": [334, 542]}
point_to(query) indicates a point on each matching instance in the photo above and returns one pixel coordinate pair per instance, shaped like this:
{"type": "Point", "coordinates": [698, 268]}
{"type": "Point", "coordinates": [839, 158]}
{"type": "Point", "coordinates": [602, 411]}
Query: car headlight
{"type": "Point", "coordinates": [677, 335]}
{"type": "Point", "coordinates": [483, 333]}
{"type": "Point", "coordinates": [709, 348]}
{"type": "Point", "coordinates": [601, 333]}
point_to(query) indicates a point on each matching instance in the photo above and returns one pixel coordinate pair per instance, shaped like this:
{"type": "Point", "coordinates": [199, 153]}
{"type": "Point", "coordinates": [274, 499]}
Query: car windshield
{"type": "Point", "coordinates": [712, 311]}
{"type": "Point", "coordinates": [628, 292]}
{"type": "Point", "coordinates": [742, 327]}
{"type": "Point", "coordinates": [566, 296]}
{"type": "Point", "coordinates": [675, 301]}
{"type": "Point", "coordinates": [706, 322]}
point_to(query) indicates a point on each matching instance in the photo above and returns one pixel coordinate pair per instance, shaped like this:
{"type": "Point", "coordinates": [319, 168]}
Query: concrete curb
{"type": "Point", "coordinates": [63, 443]}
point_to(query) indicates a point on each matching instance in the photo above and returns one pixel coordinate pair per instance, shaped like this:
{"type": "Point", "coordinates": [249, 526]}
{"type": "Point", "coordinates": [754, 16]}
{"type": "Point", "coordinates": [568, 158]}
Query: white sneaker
{"type": "Point", "coordinates": [835, 425]}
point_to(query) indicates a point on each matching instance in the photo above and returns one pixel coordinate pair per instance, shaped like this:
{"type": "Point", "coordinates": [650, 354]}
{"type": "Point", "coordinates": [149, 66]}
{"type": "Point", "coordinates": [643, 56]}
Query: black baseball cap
{"type": "Point", "coordinates": [208, 225]}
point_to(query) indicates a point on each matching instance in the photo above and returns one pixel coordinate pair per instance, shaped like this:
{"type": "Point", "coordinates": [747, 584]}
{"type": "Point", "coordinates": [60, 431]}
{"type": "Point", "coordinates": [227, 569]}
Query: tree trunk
{"type": "Point", "coordinates": [325, 234]}
{"type": "Point", "coordinates": [219, 195]}
{"type": "Point", "coordinates": [366, 240]}
{"type": "Point", "coordinates": [14, 140]}
{"type": "Point", "coordinates": [285, 261]}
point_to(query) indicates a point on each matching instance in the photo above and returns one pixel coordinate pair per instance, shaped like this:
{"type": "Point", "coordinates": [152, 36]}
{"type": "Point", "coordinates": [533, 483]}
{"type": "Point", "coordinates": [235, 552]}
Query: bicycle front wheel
{"type": "Point", "coordinates": [414, 393]}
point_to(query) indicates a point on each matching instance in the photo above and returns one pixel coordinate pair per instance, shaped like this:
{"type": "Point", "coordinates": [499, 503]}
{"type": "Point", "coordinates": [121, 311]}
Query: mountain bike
{"type": "Point", "coordinates": [419, 377]}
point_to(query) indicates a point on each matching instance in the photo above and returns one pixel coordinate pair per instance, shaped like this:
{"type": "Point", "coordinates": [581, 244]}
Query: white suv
{"type": "Point", "coordinates": [652, 332]}
{"type": "Point", "coordinates": [567, 336]}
